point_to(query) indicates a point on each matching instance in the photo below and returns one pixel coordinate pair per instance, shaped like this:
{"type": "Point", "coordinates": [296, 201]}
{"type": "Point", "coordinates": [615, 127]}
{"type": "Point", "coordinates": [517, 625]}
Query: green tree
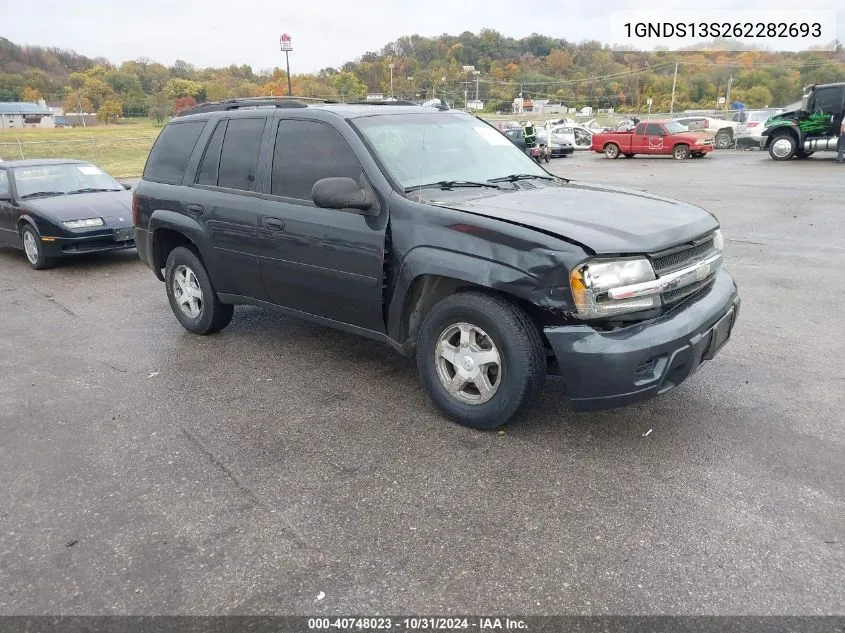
{"type": "Point", "coordinates": [176, 88]}
{"type": "Point", "coordinates": [348, 86]}
{"type": "Point", "coordinates": [110, 110]}
{"type": "Point", "coordinates": [159, 106]}
{"type": "Point", "coordinates": [123, 83]}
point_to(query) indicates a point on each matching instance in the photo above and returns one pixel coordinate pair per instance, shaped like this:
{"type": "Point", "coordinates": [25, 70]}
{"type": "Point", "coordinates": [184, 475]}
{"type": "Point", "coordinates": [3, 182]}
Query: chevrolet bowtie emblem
{"type": "Point", "coordinates": [703, 271]}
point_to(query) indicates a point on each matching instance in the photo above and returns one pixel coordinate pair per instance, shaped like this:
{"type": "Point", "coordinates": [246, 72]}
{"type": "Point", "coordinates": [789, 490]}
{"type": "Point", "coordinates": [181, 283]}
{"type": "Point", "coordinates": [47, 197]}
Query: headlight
{"type": "Point", "coordinates": [718, 240]}
{"type": "Point", "coordinates": [591, 281]}
{"type": "Point", "coordinates": [83, 224]}
{"type": "Point", "coordinates": [701, 142]}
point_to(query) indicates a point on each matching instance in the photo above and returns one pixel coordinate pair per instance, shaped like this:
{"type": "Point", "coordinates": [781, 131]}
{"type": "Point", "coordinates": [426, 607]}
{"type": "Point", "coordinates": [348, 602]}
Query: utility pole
{"type": "Point", "coordinates": [287, 47]}
{"type": "Point", "coordinates": [467, 69]}
{"type": "Point", "coordinates": [674, 83]}
{"type": "Point", "coordinates": [728, 93]}
{"type": "Point", "coordinates": [476, 73]}
{"type": "Point", "coordinates": [391, 79]}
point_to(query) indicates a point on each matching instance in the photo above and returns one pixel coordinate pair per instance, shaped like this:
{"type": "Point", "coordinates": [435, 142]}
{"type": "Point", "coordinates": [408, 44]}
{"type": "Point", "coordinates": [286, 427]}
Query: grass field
{"type": "Point", "coordinates": [120, 149]}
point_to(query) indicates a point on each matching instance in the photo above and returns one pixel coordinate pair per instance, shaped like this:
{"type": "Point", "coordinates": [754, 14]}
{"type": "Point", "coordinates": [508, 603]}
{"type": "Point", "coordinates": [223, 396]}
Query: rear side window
{"type": "Point", "coordinates": [239, 158]}
{"type": "Point", "coordinates": [4, 182]}
{"type": "Point", "coordinates": [306, 152]}
{"type": "Point", "coordinates": [172, 150]}
{"type": "Point", "coordinates": [653, 129]}
{"type": "Point", "coordinates": [640, 129]}
{"type": "Point", "coordinates": [211, 159]}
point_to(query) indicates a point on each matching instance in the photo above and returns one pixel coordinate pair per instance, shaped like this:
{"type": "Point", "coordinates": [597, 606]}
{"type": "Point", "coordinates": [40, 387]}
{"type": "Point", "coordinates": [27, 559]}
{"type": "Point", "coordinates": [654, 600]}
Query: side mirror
{"type": "Point", "coordinates": [341, 193]}
{"type": "Point", "coordinates": [126, 185]}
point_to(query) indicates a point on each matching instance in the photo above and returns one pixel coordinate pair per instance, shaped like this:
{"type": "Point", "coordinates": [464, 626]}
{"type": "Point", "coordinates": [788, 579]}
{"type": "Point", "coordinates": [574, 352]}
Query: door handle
{"type": "Point", "coordinates": [195, 209]}
{"type": "Point", "coordinates": [274, 224]}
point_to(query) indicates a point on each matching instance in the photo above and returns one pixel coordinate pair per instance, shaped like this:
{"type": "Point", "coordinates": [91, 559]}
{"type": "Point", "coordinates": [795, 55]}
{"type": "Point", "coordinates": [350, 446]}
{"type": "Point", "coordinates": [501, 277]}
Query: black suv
{"type": "Point", "coordinates": [429, 230]}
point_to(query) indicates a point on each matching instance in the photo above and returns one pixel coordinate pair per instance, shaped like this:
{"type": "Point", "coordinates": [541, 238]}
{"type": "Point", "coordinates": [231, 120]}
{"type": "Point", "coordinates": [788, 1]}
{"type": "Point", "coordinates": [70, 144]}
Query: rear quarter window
{"type": "Point", "coordinates": [172, 151]}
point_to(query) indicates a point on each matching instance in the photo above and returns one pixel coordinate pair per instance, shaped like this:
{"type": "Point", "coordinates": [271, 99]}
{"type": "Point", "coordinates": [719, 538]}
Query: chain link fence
{"type": "Point", "coordinates": [122, 157]}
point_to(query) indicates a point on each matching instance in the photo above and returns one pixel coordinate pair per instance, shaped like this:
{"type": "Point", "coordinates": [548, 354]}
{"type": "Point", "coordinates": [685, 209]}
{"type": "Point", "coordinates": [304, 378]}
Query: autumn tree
{"type": "Point", "coordinates": [183, 103]}
{"type": "Point", "coordinates": [78, 103]}
{"type": "Point", "coordinates": [110, 110]}
{"type": "Point", "coordinates": [176, 88]}
{"type": "Point", "coordinates": [30, 95]}
{"type": "Point", "coordinates": [558, 61]}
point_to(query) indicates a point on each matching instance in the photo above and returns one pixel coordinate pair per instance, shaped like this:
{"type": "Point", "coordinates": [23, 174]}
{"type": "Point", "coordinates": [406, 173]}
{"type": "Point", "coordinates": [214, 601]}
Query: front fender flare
{"type": "Point", "coordinates": [472, 269]}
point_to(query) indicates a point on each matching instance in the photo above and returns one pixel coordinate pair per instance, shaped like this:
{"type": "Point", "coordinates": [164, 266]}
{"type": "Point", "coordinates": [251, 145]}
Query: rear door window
{"type": "Point", "coordinates": [172, 150]}
{"type": "Point", "coordinates": [239, 157]}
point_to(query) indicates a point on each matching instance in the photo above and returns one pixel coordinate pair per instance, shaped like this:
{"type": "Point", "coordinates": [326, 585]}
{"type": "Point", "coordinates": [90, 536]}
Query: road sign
{"type": "Point", "coordinates": [648, 101]}
{"type": "Point", "coordinates": [721, 100]}
{"type": "Point", "coordinates": [287, 44]}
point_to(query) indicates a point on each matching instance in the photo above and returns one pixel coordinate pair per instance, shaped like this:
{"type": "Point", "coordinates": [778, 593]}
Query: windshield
{"type": "Point", "coordinates": [62, 179]}
{"type": "Point", "coordinates": [418, 149]}
{"type": "Point", "coordinates": [673, 127]}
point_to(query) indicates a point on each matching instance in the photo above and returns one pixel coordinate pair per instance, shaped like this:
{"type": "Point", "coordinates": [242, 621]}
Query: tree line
{"type": "Point", "coordinates": [576, 74]}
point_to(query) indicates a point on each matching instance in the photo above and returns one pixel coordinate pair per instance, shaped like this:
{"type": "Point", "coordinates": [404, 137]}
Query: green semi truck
{"type": "Point", "coordinates": [812, 128]}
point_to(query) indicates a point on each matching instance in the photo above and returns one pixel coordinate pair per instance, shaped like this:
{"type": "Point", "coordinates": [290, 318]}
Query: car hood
{"type": "Point", "coordinates": [606, 220]}
{"type": "Point", "coordinates": [115, 207]}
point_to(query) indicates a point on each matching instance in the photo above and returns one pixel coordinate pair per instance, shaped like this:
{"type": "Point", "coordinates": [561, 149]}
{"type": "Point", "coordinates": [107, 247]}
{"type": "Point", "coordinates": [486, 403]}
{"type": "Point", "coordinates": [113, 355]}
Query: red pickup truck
{"type": "Point", "coordinates": [654, 137]}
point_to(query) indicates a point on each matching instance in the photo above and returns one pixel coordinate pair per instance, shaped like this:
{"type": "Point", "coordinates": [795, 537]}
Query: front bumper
{"type": "Point", "coordinates": [604, 370]}
{"type": "Point", "coordinates": [97, 242]}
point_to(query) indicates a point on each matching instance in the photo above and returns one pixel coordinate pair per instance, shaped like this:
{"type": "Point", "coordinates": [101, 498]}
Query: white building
{"type": "Point", "coordinates": [18, 114]}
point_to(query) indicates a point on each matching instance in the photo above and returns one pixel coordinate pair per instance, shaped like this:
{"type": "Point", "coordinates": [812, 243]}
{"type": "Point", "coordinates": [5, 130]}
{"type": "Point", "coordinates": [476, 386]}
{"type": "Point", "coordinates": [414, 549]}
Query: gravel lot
{"type": "Point", "coordinates": [144, 470]}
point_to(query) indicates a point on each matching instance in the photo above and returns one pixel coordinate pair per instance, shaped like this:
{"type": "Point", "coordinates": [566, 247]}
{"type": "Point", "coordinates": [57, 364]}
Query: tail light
{"type": "Point", "coordinates": [136, 208]}
{"type": "Point", "coordinates": [753, 123]}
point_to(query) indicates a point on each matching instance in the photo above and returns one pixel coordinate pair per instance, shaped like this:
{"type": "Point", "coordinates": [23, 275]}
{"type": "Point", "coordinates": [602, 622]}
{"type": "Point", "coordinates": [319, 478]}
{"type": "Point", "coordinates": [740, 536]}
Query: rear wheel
{"type": "Point", "coordinates": [191, 295]}
{"type": "Point", "coordinates": [681, 152]}
{"type": "Point", "coordinates": [480, 359]}
{"type": "Point", "coordinates": [724, 140]}
{"type": "Point", "coordinates": [611, 150]}
{"type": "Point", "coordinates": [783, 147]}
{"type": "Point", "coordinates": [34, 249]}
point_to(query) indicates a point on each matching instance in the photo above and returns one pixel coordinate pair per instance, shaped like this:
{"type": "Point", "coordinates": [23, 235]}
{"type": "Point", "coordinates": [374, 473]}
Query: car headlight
{"type": "Point", "coordinates": [701, 142]}
{"type": "Point", "coordinates": [591, 281]}
{"type": "Point", "coordinates": [84, 223]}
{"type": "Point", "coordinates": [718, 240]}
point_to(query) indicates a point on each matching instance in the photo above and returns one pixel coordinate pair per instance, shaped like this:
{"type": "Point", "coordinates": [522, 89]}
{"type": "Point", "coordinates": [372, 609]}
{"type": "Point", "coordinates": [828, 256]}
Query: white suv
{"type": "Point", "coordinates": [749, 133]}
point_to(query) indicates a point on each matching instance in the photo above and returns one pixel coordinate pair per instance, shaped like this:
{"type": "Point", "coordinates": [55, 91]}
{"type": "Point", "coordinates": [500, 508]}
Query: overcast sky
{"type": "Point", "coordinates": [325, 32]}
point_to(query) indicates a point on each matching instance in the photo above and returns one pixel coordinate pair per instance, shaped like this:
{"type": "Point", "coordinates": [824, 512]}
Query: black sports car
{"type": "Point", "coordinates": [51, 208]}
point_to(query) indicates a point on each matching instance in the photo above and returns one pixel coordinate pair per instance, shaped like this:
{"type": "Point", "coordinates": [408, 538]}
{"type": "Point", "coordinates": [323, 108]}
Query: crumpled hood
{"type": "Point", "coordinates": [607, 220]}
{"type": "Point", "coordinates": [115, 207]}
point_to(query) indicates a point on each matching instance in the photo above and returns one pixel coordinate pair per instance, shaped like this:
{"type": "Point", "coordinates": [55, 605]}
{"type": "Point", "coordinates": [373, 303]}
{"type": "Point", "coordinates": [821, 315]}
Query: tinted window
{"type": "Point", "coordinates": [172, 149]}
{"type": "Point", "coordinates": [4, 182]}
{"type": "Point", "coordinates": [640, 129]}
{"type": "Point", "coordinates": [828, 100]}
{"type": "Point", "coordinates": [239, 158]}
{"type": "Point", "coordinates": [211, 160]}
{"type": "Point", "coordinates": [654, 129]}
{"type": "Point", "coordinates": [305, 152]}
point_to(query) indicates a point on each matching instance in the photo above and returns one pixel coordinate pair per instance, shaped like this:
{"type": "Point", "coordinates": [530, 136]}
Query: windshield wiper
{"type": "Point", "coordinates": [451, 184]}
{"type": "Point", "coordinates": [92, 190]}
{"type": "Point", "coordinates": [38, 194]}
{"type": "Point", "coordinates": [515, 177]}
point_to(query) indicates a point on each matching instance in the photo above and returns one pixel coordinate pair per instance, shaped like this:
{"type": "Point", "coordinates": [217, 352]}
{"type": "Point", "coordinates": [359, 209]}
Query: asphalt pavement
{"type": "Point", "coordinates": [281, 467]}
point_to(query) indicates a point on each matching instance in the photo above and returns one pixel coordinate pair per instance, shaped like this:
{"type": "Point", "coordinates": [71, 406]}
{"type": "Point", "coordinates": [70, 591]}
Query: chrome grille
{"type": "Point", "coordinates": [676, 295]}
{"type": "Point", "coordinates": [667, 261]}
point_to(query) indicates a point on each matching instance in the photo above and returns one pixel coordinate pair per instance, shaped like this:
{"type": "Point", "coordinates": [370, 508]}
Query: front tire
{"type": "Point", "coordinates": [783, 147]}
{"type": "Point", "coordinates": [34, 250]}
{"type": "Point", "coordinates": [611, 150]}
{"type": "Point", "coordinates": [191, 295]}
{"type": "Point", "coordinates": [480, 359]}
{"type": "Point", "coordinates": [681, 152]}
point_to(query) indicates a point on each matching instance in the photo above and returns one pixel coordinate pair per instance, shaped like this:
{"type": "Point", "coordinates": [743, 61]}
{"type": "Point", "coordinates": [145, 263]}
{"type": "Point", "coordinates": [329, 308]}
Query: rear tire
{"type": "Point", "coordinates": [611, 150]}
{"type": "Point", "coordinates": [724, 140]}
{"type": "Point", "coordinates": [492, 343]}
{"type": "Point", "coordinates": [192, 297]}
{"type": "Point", "coordinates": [34, 249]}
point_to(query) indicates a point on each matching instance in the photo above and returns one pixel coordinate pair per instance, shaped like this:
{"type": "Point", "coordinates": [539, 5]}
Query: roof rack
{"type": "Point", "coordinates": [395, 102]}
{"type": "Point", "coordinates": [252, 102]}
